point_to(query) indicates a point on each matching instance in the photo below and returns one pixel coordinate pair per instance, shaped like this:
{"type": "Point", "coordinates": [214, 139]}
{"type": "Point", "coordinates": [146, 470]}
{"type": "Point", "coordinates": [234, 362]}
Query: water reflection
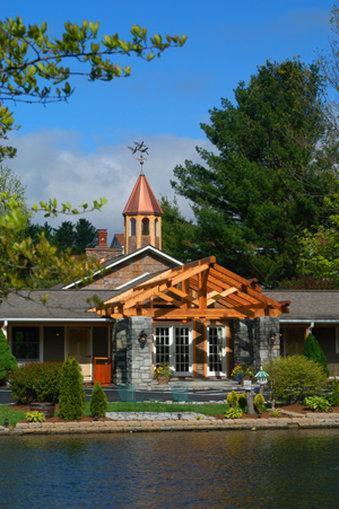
{"type": "Point", "coordinates": [294, 469]}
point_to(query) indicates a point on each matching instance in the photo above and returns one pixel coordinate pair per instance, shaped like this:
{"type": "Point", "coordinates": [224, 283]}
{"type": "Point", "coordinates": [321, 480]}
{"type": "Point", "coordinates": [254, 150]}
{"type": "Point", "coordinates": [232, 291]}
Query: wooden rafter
{"type": "Point", "coordinates": [198, 290]}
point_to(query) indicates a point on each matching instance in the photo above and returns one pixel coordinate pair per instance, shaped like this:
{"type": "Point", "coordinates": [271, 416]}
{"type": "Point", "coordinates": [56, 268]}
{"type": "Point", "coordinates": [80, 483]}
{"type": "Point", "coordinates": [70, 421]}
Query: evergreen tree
{"type": "Point", "coordinates": [178, 234]}
{"type": "Point", "coordinates": [272, 167]}
{"type": "Point", "coordinates": [8, 362]}
{"type": "Point", "coordinates": [98, 405]}
{"type": "Point", "coordinates": [86, 235]}
{"type": "Point", "coordinates": [64, 236]}
{"type": "Point", "coordinates": [314, 352]}
{"type": "Point", "coordinates": [72, 394]}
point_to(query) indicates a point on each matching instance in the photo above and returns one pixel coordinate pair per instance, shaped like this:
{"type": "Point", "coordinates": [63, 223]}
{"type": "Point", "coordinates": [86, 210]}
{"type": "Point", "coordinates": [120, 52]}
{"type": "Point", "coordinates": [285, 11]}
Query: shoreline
{"type": "Point", "coordinates": [94, 427]}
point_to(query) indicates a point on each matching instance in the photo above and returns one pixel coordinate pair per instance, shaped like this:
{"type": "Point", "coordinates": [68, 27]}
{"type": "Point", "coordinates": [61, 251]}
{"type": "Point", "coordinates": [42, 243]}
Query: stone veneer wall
{"type": "Point", "coordinates": [255, 341]}
{"type": "Point", "coordinates": [132, 363]}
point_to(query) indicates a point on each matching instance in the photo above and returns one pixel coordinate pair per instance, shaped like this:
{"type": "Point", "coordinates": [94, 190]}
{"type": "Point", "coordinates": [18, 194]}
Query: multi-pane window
{"type": "Point", "coordinates": [26, 343]}
{"type": "Point", "coordinates": [215, 349]}
{"type": "Point", "coordinates": [162, 345]}
{"type": "Point", "coordinates": [182, 349]}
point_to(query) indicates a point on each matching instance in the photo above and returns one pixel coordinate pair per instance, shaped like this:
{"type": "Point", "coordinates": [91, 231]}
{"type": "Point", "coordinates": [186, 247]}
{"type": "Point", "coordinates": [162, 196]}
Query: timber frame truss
{"type": "Point", "coordinates": [201, 290]}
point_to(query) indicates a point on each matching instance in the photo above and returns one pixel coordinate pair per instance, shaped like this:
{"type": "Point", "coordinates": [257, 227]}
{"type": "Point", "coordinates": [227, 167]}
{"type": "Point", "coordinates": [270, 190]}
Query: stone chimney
{"type": "Point", "coordinates": [102, 236]}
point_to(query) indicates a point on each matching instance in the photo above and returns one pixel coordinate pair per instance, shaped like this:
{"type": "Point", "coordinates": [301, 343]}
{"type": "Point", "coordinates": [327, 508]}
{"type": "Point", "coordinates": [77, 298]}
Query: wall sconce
{"type": "Point", "coordinates": [142, 338]}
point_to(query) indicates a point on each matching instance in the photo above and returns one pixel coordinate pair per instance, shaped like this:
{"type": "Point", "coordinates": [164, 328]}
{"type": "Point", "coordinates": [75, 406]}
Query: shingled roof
{"type": "Point", "coordinates": [309, 305]}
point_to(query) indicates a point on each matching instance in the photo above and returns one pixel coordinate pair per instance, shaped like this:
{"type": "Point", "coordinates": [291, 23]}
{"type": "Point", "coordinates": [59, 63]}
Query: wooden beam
{"type": "Point", "coordinates": [180, 313]}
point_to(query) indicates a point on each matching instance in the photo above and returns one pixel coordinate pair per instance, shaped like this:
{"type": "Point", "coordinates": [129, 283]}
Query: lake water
{"type": "Point", "coordinates": [263, 469]}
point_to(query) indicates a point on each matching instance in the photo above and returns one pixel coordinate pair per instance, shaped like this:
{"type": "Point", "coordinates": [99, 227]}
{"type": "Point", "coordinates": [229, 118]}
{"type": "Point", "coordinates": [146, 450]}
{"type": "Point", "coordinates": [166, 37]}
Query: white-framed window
{"type": "Point", "coordinates": [216, 353]}
{"type": "Point", "coordinates": [173, 346]}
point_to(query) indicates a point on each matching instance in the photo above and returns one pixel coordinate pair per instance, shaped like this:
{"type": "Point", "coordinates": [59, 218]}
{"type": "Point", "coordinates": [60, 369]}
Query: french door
{"type": "Point", "coordinates": [216, 353]}
{"type": "Point", "coordinates": [173, 346]}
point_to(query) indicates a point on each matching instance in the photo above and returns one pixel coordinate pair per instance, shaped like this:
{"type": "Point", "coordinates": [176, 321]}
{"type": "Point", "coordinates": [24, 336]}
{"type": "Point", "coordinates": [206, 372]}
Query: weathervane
{"type": "Point", "coordinates": [139, 150]}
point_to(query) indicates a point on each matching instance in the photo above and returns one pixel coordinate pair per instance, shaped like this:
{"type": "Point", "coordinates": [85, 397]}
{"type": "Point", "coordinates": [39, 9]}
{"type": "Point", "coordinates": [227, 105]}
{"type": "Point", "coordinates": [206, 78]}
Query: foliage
{"type": "Point", "coordinates": [242, 400]}
{"type": "Point", "coordinates": [72, 395]}
{"type": "Point", "coordinates": [99, 402]}
{"type": "Point", "coordinates": [275, 412]}
{"type": "Point", "coordinates": [163, 371]}
{"type": "Point", "coordinates": [85, 235]}
{"type": "Point", "coordinates": [238, 370]}
{"type": "Point", "coordinates": [10, 184]}
{"type": "Point", "coordinates": [64, 236]}
{"type": "Point", "coordinates": [266, 180]}
{"type": "Point", "coordinates": [28, 264]}
{"type": "Point", "coordinates": [232, 399]}
{"type": "Point", "coordinates": [35, 67]}
{"type": "Point", "coordinates": [35, 416]}
{"type": "Point", "coordinates": [10, 415]}
{"type": "Point", "coordinates": [233, 413]}
{"type": "Point", "coordinates": [259, 403]}
{"type": "Point", "coordinates": [178, 234]}
{"type": "Point", "coordinates": [313, 351]}
{"type": "Point", "coordinates": [36, 382]}
{"type": "Point", "coordinates": [294, 377]}
{"type": "Point", "coordinates": [333, 396]}
{"type": "Point", "coordinates": [319, 253]}
{"type": "Point", "coordinates": [317, 404]}
{"type": "Point", "coordinates": [8, 362]}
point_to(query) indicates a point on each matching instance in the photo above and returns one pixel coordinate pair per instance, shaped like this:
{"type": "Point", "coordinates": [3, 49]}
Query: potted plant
{"type": "Point", "coordinates": [163, 373]}
{"type": "Point", "coordinates": [238, 373]}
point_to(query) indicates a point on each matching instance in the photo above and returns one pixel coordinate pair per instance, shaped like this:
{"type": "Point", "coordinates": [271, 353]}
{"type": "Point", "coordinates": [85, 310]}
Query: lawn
{"type": "Point", "coordinates": [206, 408]}
{"type": "Point", "coordinates": [13, 416]}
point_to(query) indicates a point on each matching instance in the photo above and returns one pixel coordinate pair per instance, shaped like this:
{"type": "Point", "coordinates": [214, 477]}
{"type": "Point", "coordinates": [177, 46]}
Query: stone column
{"type": "Point", "coordinates": [133, 362]}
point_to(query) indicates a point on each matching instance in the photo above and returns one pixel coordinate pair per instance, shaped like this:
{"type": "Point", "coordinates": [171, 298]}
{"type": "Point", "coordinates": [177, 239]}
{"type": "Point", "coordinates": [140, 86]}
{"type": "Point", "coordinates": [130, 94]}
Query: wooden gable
{"type": "Point", "coordinates": [202, 290]}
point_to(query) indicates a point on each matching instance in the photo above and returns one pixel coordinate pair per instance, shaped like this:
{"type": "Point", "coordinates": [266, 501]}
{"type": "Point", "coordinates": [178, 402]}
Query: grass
{"type": "Point", "coordinates": [206, 408]}
{"type": "Point", "coordinates": [13, 416]}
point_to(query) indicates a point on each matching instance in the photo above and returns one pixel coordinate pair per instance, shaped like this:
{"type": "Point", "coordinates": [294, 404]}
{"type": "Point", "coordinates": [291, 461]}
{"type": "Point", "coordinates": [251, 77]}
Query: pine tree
{"type": "Point", "coordinates": [7, 360]}
{"type": "Point", "coordinates": [314, 352]}
{"type": "Point", "coordinates": [72, 394]}
{"type": "Point", "coordinates": [98, 405]}
{"type": "Point", "coordinates": [86, 235]}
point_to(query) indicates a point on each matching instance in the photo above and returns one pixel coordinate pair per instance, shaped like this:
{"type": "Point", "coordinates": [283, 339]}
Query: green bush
{"type": "Point", "coordinates": [242, 401]}
{"type": "Point", "coordinates": [317, 404]}
{"type": "Point", "coordinates": [275, 412]}
{"type": "Point", "coordinates": [333, 396]}
{"type": "Point", "coordinates": [35, 416]}
{"type": "Point", "coordinates": [233, 413]}
{"type": "Point", "coordinates": [294, 377]}
{"type": "Point", "coordinates": [36, 382]}
{"type": "Point", "coordinates": [8, 362]}
{"type": "Point", "coordinates": [72, 394]}
{"type": "Point", "coordinates": [259, 403]}
{"type": "Point", "coordinates": [314, 352]}
{"type": "Point", "coordinates": [99, 403]}
{"type": "Point", "coordinates": [232, 399]}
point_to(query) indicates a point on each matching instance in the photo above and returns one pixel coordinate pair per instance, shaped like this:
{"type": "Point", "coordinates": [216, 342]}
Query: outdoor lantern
{"type": "Point", "coordinates": [142, 338]}
{"type": "Point", "coordinates": [262, 376]}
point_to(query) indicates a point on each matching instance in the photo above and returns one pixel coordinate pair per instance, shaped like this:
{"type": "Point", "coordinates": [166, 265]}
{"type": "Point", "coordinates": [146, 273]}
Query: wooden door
{"type": "Point", "coordinates": [79, 346]}
{"type": "Point", "coordinates": [102, 370]}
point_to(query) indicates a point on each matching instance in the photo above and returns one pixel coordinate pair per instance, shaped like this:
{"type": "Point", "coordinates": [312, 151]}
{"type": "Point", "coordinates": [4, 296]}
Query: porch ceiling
{"type": "Point", "coordinates": [198, 290]}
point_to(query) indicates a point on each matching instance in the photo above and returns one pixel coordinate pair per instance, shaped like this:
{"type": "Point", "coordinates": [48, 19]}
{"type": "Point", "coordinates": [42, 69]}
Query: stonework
{"type": "Point", "coordinates": [133, 362]}
{"type": "Point", "coordinates": [130, 270]}
{"type": "Point", "coordinates": [256, 341]}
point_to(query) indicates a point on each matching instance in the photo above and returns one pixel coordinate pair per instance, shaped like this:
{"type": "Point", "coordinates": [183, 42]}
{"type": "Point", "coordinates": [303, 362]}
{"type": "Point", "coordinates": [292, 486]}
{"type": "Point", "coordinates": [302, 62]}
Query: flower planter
{"type": "Point", "coordinates": [46, 408]}
{"type": "Point", "coordinates": [163, 380]}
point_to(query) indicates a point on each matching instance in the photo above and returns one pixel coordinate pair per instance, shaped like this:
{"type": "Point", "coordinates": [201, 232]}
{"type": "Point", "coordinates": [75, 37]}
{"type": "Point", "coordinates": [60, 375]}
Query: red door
{"type": "Point", "coordinates": [102, 370]}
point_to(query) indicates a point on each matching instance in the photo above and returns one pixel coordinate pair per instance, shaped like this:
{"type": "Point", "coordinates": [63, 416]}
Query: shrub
{"type": "Point", "coordinates": [317, 404]}
{"type": "Point", "coordinates": [35, 416]}
{"type": "Point", "coordinates": [233, 413]}
{"type": "Point", "coordinates": [295, 377]}
{"type": "Point", "coordinates": [275, 412]}
{"type": "Point", "coordinates": [8, 362]}
{"type": "Point", "coordinates": [232, 399]}
{"type": "Point", "coordinates": [72, 395]}
{"type": "Point", "coordinates": [259, 403]}
{"type": "Point", "coordinates": [242, 401]}
{"type": "Point", "coordinates": [333, 396]}
{"type": "Point", "coordinates": [36, 382]}
{"type": "Point", "coordinates": [314, 352]}
{"type": "Point", "coordinates": [99, 403]}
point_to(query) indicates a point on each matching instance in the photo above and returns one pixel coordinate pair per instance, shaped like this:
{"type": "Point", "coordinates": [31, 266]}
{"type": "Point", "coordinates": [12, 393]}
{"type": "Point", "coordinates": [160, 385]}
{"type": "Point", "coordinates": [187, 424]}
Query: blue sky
{"type": "Point", "coordinates": [168, 98]}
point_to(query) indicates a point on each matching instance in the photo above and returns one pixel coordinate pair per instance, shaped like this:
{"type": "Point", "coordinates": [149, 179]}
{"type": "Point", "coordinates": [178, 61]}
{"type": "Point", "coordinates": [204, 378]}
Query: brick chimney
{"type": "Point", "coordinates": [102, 235]}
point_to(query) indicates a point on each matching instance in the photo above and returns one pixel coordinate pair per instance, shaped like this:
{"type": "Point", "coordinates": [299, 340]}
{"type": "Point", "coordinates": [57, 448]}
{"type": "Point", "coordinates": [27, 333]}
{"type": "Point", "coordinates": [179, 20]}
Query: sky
{"type": "Point", "coordinates": [78, 151]}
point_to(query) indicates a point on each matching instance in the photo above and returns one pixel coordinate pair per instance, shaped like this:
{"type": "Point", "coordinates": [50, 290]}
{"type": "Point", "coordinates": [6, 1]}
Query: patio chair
{"type": "Point", "coordinates": [126, 393]}
{"type": "Point", "coordinates": [180, 393]}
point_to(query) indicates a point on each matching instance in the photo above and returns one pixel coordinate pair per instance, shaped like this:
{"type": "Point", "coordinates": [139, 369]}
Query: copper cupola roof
{"type": "Point", "coordinates": [142, 199]}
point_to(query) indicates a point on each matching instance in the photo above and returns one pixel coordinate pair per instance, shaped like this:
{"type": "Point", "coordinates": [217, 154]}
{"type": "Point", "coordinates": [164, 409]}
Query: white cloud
{"type": "Point", "coordinates": [53, 164]}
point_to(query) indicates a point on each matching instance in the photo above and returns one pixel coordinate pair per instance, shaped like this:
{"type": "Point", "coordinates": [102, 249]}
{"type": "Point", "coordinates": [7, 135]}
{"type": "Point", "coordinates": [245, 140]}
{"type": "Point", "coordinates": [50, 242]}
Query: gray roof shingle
{"type": "Point", "coordinates": [310, 305]}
